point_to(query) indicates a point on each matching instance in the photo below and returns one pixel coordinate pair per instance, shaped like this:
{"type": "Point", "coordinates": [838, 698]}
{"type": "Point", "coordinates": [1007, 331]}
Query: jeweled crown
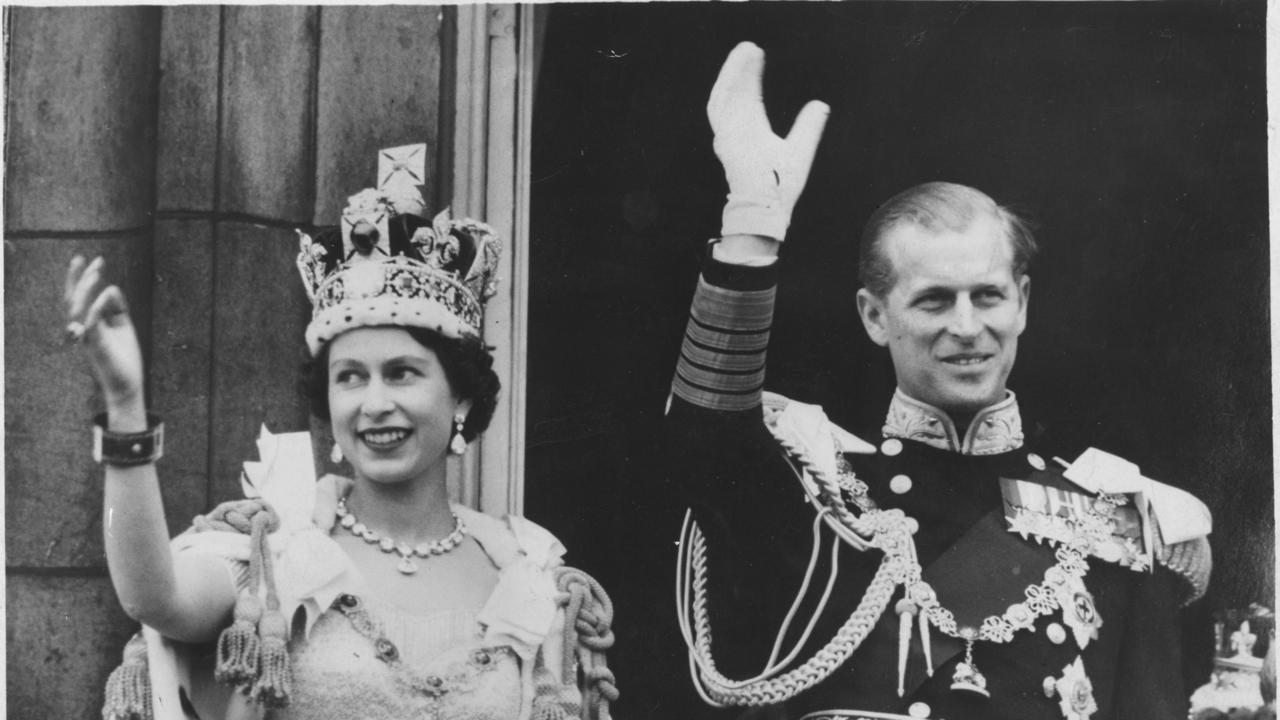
{"type": "Point", "coordinates": [386, 264]}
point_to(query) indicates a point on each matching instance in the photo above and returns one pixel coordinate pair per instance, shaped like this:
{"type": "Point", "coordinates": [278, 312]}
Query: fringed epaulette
{"type": "Point", "coordinates": [588, 634]}
{"type": "Point", "coordinates": [1192, 561]}
{"type": "Point", "coordinates": [1182, 521]}
{"type": "Point", "coordinates": [128, 694]}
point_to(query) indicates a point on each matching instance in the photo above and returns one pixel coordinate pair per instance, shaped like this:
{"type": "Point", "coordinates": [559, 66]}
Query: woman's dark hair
{"type": "Point", "coordinates": [467, 363]}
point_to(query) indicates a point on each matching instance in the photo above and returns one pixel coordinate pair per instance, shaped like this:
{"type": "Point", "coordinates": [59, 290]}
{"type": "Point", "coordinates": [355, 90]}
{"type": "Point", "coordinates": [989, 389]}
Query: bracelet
{"type": "Point", "coordinates": [128, 449]}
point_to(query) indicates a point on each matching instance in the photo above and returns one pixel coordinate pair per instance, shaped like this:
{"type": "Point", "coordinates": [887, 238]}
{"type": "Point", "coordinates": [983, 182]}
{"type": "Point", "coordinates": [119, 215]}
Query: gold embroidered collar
{"type": "Point", "coordinates": [995, 429]}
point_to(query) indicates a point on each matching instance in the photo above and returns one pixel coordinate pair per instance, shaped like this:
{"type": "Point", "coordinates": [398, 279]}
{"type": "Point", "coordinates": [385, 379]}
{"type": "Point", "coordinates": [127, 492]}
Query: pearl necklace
{"type": "Point", "coordinates": [348, 520]}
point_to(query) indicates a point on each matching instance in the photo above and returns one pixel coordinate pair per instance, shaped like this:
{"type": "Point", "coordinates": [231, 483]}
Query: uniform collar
{"type": "Point", "coordinates": [995, 429]}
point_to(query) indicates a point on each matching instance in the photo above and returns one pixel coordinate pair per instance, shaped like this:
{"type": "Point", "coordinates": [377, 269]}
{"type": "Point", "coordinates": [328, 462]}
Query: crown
{"type": "Point", "coordinates": [386, 264]}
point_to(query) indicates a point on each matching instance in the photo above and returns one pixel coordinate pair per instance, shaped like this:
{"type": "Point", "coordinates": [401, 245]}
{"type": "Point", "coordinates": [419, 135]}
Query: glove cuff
{"type": "Point", "coordinates": [754, 215]}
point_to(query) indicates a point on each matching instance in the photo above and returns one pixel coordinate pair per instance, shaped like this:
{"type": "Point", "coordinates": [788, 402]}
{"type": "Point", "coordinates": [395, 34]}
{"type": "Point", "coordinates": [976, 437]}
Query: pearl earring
{"type": "Point", "coordinates": [458, 445]}
{"type": "Point", "coordinates": [336, 454]}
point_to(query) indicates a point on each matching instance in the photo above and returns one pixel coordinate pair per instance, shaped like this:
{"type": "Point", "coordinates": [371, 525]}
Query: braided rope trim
{"type": "Point", "coordinates": [588, 634]}
{"type": "Point", "coordinates": [872, 528]}
{"type": "Point", "coordinates": [1041, 599]}
{"type": "Point", "coordinates": [886, 530]}
{"type": "Point", "coordinates": [719, 690]}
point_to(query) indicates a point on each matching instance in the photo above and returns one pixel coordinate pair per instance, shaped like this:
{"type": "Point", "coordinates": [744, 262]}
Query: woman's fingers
{"type": "Point", "coordinates": [112, 347]}
{"type": "Point", "coordinates": [80, 280]}
{"type": "Point", "coordinates": [98, 319]}
{"type": "Point", "coordinates": [74, 269]}
{"type": "Point", "coordinates": [87, 304]}
{"type": "Point", "coordinates": [109, 308]}
{"type": "Point", "coordinates": [82, 292]}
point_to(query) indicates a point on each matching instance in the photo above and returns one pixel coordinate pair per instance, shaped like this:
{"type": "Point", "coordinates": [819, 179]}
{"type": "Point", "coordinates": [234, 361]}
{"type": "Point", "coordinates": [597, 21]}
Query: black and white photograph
{"type": "Point", "coordinates": [746, 361]}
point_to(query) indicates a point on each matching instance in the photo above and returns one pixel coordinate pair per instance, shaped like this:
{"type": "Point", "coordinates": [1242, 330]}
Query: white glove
{"type": "Point", "coordinates": [766, 173]}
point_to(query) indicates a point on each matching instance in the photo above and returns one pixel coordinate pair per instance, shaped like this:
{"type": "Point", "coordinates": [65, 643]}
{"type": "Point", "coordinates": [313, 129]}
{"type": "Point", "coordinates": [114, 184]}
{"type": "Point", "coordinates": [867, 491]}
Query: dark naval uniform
{"type": "Point", "coordinates": [1094, 636]}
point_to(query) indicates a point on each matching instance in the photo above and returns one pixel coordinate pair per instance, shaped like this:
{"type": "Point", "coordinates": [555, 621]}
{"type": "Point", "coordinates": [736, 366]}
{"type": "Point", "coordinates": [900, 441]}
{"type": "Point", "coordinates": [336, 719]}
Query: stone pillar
{"type": "Point", "coordinates": [80, 179]}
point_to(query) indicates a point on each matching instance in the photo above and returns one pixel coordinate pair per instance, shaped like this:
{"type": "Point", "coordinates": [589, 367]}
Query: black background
{"type": "Point", "coordinates": [1132, 134]}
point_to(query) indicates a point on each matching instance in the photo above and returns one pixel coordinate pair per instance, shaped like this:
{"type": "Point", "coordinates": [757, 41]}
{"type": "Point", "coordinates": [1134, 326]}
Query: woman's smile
{"type": "Point", "coordinates": [384, 438]}
{"type": "Point", "coordinates": [391, 405]}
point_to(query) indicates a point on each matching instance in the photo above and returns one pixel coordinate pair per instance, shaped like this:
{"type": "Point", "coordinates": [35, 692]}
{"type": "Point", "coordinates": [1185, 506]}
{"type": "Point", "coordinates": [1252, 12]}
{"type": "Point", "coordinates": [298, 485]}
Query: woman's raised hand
{"type": "Point", "coordinates": [765, 172]}
{"type": "Point", "coordinates": [98, 318]}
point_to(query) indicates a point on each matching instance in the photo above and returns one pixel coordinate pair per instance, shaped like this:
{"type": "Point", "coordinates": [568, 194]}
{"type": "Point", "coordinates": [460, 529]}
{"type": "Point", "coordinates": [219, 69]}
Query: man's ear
{"type": "Point", "coordinates": [1024, 296]}
{"type": "Point", "coordinates": [872, 311]}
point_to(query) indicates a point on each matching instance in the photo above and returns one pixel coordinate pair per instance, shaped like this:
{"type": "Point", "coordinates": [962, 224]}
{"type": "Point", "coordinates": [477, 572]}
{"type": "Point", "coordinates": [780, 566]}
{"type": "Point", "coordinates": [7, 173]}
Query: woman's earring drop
{"type": "Point", "coordinates": [458, 445]}
{"type": "Point", "coordinates": [336, 454]}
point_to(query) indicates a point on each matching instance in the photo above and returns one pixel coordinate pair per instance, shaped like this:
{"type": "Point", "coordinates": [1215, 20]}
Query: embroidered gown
{"type": "Point", "coordinates": [355, 657]}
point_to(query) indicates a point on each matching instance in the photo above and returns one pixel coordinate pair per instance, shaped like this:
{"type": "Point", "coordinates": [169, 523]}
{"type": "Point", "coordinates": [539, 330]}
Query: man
{"type": "Point", "coordinates": [984, 581]}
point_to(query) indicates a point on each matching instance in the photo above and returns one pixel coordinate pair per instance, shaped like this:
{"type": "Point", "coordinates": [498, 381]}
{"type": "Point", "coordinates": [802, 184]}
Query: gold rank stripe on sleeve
{"type": "Point", "coordinates": [722, 358]}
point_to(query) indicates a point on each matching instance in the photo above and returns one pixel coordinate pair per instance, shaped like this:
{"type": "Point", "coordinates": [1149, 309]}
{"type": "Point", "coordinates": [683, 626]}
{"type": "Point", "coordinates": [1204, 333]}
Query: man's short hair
{"type": "Point", "coordinates": [937, 207]}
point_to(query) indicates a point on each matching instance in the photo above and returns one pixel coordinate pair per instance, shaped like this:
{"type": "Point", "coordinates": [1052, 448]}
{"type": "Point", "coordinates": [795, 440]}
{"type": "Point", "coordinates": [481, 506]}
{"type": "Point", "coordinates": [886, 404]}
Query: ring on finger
{"type": "Point", "coordinates": [75, 331]}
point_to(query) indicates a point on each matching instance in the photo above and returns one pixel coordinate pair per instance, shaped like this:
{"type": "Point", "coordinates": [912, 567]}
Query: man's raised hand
{"type": "Point", "coordinates": [766, 173]}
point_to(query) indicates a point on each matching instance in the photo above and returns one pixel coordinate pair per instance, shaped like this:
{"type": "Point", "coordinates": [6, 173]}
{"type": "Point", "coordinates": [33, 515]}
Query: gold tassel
{"type": "Point", "coordinates": [254, 652]}
{"type": "Point", "coordinates": [276, 678]}
{"type": "Point", "coordinates": [128, 692]}
{"type": "Point", "coordinates": [238, 645]}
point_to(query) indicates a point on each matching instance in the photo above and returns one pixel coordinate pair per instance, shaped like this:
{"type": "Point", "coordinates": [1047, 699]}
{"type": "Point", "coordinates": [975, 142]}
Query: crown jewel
{"type": "Point", "coordinates": [386, 264]}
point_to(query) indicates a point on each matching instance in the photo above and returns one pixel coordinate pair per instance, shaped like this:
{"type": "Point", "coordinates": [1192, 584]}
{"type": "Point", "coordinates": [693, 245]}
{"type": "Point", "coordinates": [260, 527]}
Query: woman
{"type": "Point", "coordinates": [405, 606]}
